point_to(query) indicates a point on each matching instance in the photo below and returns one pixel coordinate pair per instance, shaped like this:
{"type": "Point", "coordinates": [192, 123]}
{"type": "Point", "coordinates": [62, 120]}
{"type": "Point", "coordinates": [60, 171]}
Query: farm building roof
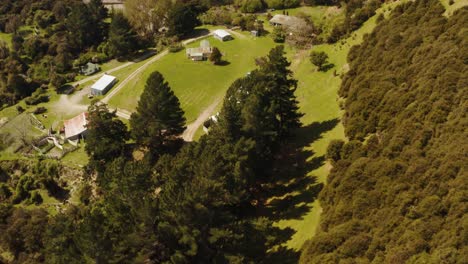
{"type": "Point", "coordinates": [288, 21]}
{"type": "Point", "coordinates": [76, 125]}
{"type": "Point", "coordinates": [103, 82]}
{"type": "Point", "coordinates": [221, 33]}
{"type": "Point", "coordinates": [201, 50]}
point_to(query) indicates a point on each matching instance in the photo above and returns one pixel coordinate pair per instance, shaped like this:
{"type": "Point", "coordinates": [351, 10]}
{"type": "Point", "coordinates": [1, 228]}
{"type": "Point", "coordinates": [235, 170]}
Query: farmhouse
{"type": "Point", "coordinates": [291, 23]}
{"type": "Point", "coordinates": [222, 35]}
{"type": "Point", "coordinates": [76, 127]}
{"type": "Point", "coordinates": [200, 53]}
{"type": "Point", "coordinates": [103, 85]}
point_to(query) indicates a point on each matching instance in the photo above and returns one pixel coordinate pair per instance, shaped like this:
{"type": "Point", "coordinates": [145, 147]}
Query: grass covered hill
{"type": "Point", "coordinates": [397, 191]}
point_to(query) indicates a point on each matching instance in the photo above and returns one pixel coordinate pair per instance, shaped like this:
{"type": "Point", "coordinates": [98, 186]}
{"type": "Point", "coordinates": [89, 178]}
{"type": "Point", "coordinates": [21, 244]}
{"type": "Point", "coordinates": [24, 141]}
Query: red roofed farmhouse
{"type": "Point", "coordinates": [76, 127]}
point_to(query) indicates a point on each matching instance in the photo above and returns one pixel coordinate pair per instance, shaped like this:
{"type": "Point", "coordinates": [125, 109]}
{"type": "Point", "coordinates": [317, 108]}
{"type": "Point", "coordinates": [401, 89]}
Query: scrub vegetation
{"type": "Point", "coordinates": [394, 193]}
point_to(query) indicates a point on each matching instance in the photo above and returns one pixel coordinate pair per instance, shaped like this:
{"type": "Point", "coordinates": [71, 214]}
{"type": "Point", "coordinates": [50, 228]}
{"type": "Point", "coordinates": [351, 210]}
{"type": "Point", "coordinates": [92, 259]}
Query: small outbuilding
{"type": "Point", "coordinates": [222, 35]}
{"type": "Point", "coordinates": [76, 127]}
{"type": "Point", "coordinates": [103, 85]}
{"type": "Point", "coordinates": [89, 69]}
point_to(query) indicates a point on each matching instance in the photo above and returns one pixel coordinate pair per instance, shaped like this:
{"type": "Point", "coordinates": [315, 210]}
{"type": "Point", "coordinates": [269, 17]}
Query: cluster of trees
{"type": "Point", "coordinates": [193, 203]}
{"type": "Point", "coordinates": [320, 59]}
{"type": "Point", "coordinates": [228, 16]}
{"type": "Point", "coordinates": [52, 38]}
{"type": "Point", "coordinates": [397, 190]}
{"type": "Point", "coordinates": [253, 6]}
{"type": "Point", "coordinates": [356, 13]}
{"type": "Point", "coordinates": [35, 176]}
{"type": "Point", "coordinates": [13, 84]}
{"type": "Point", "coordinates": [282, 4]}
{"type": "Point", "coordinates": [154, 19]}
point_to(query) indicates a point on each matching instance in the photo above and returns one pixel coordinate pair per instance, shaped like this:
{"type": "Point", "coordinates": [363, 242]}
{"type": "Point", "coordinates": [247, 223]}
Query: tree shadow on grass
{"type": "Point", "coordinates": [57, 191]}
{"type": "Point", "coordinates": [198, 32]}
{"type": "Point", "coordinates": [282, 255]}
{"type": "Point", "coordinates": [142, 55]}
{"type": "Point", "coordinates": [223, 63]}
{"type": "Point", "coordinates": [293, 189]}
{"type": "Point", "coordinates": [327, 67]}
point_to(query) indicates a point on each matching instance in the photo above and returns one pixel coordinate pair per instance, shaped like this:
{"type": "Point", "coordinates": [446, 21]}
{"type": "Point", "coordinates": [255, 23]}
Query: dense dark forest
{"type": "Point", "coordinates": [397, 191]}
{"type": "Point", "coordinates": [196, 203]}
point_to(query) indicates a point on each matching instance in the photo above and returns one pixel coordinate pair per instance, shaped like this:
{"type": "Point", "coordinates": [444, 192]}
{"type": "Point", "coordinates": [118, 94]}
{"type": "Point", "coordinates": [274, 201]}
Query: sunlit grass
{"type": "Point", "coordinates": [198, 84]}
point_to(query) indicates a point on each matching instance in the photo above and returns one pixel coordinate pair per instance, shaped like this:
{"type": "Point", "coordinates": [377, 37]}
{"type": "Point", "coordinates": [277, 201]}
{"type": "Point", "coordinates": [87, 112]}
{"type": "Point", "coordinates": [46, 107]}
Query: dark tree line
{"type": "Point", "coordinates": [395, 194]}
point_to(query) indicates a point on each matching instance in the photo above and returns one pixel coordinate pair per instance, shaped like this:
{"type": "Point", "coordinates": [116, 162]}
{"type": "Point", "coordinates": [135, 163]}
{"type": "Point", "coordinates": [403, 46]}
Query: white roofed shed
{"type": "Point", "coordinates": [222, 35]}
{"type": "Point", "coordinates": [103, 85]}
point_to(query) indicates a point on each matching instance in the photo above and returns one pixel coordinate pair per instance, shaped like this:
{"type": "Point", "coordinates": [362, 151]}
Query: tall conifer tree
{"type": "Point", "coordinates": [122, 37]}
{"type": "Point", "coordinates": [159, 118]}
{"type": "Point", "coordinates": [284, 102]}
{"type": "Point", "coordinates": [106, 136]}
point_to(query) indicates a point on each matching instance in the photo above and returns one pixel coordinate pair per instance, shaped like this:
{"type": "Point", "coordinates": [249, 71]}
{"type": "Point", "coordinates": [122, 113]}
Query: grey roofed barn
{"type": "Point", "coordinates": [103, 85]}
{"type": "Point", "coordinates": [222, 34]}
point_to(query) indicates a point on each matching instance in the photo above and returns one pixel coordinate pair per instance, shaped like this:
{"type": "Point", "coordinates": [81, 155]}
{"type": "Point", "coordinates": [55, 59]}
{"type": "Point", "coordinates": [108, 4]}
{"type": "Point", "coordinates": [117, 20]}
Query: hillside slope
{"type": "Point", "coordinates": [397, 192]}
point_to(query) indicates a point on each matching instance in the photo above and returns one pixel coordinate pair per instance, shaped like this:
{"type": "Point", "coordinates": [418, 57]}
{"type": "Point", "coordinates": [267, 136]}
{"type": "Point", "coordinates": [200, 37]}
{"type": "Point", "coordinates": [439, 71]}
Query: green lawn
{"type": "Point", "coordinates": [317, 94]}
{"type": "Point", "coordinates": [77, 158]}
{"type": "Point", "coordinates": [198, 84]}
{"type": "Point", "coordinates": [111, 64]}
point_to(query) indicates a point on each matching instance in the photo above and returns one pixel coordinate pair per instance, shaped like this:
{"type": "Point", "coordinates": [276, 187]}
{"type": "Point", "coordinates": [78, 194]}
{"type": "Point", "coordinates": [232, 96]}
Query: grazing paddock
{"type": "Point", "coordinates": [198, 83]}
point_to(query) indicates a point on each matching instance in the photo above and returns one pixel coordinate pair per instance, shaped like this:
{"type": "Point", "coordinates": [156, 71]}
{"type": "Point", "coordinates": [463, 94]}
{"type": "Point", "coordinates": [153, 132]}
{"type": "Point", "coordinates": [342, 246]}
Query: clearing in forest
{"type": "Point", "coordinates": [198, 84]}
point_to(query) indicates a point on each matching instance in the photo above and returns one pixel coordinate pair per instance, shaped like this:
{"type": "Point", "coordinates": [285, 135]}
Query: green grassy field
{"type": "Point", "coordinates": [317, 94]}
{"type": "Point", "coordinates": [198, 84]}
{"type": "Point", "coordinates": [77, 158]}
